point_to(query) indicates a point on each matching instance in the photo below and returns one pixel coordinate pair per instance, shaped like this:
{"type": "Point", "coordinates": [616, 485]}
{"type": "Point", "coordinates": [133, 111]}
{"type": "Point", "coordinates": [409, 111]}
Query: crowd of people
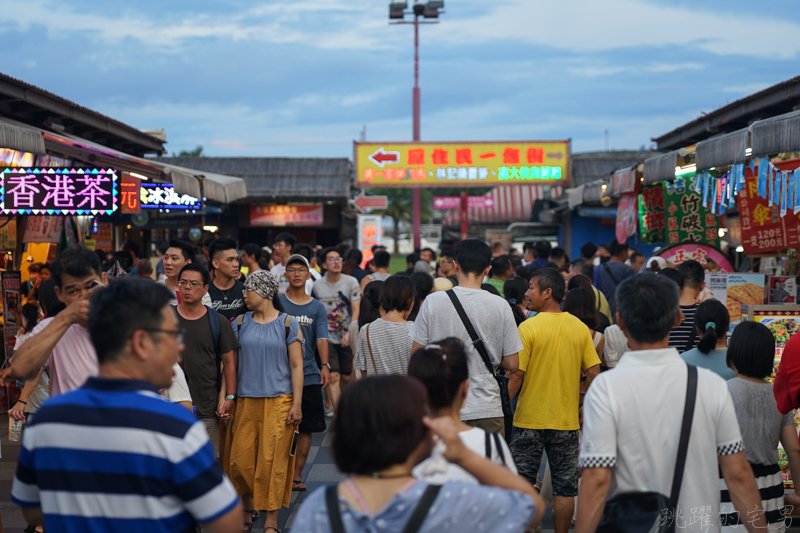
{"type": "Point", "coordinates": [470, 390]}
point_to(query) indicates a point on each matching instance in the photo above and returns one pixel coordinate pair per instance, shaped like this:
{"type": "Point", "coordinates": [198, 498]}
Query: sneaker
{"type": "Point", "coordinates": [328, 412]}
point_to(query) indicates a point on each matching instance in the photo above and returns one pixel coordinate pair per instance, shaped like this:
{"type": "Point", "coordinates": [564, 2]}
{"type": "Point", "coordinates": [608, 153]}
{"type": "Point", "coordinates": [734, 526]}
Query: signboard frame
{"type": "Point", "coordinates": [97, 190]}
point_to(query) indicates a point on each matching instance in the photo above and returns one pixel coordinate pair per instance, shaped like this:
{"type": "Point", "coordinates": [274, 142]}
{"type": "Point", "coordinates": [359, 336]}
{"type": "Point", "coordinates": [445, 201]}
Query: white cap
{"type": "Point", "coordinates": [298, 256]}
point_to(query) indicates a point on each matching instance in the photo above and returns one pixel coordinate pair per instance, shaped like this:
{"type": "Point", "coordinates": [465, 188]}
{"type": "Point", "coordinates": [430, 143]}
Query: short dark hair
{"type": "Point", "coordinates": [30, 312]}
{"type": "Point", "coordinates": [144, 267]}
{"type": "Point", "coordinates": [412, 258]}
{"type": "Point", "coordinates": [354, 253]}
{"type": "Point", "coordinates": [132, 247]}
{"type": "Point", "coordinates": [588, 250]}
{"type": "Point", "coordinates": [252, 249]}
{"type": "Point", "coordinates": [286, 238]}
{"type": "Point", "coordinates": [77, 262]}
{"type": "Point", "coordinates": [694, 275]}
{"type": "Point", "coordinates": [382, 259]}
{"type": "Point", "coordinates": [162, 247]}
{"type": "Point", "coordinates": [302, 249]}
{"type": "Point", "coordinates": [196, 267]}
{"type": "Point", "coordinates": [50, 303]}
{"type": "Point", "coordinates": [557, 253]}
{"type": "Point", "coordinates": [580, 303]}
{"type": "Point", "coordinates": [398, 293]}
{"type": "Point", "coordinates": [579, 281]}
{"type": "Point", "coordinates": [186, 249]}
{"type": "Point", "coordinates": [423, 284]}
{"type": "Point", "coordinates": [34, 268]}
{"type": "Point", "coordinates": [431, 250]}
{"type": "Point", "coordinates": [220, 245]}
{"type": "Point", "coordinates": [46, 266]}
{"type": "Point", "coordinates": [120, 309]}
{"type": "Point", "coordinates": [323, 254]}
{"type": "Point", "coordinates": [584, 266]}
{"type": "Point", "coordinates": [449, 253]}
{"type": "Point", "coordinates": [379, 423]}
{"type": "Point", "coordinates": [636, 255]}
{"type": "Point", "coordinates": [751, 350]}
{"type": "Point", "coordinates": [473, 256]}
{"type": "Point", "coordinates": [500, 266]}
{"type": "Point", "coordinates": [707, 312]}
{"type": "Point", "coordinates": [550, 278]}
{"type": "Point", "coordinates": [441, 367]}
{"type": "Point", "coordinates": [648, 305]}
{"type": "Point", "coordinates": [672, 274]}
{"type": "Point", "coordinates": [617, 248]}
{"type": "Point", "coordinates": [542, 249]}
{"type": "Point", "coordinates": [552, 265]}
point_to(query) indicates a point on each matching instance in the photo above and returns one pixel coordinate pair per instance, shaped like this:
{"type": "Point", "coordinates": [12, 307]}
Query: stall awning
{"type": "Point", "coordinates": [623, 180]}
{"type": "Point", "coordinates": [593, 192]}
{"type": "Point", "coordinates": [222, 188]}
{"type": "Point", "coordinates": [184, 182]}
{"type": "Point", "coordinates": [721, 151]}
{"type": "Point", "coordinates": [776, 135]}
{"type": "Point", "coordinates": [21, 138]}
{"type": "Point", "coordinates": [575, 196]}
{"type": "Point", "coordinates": [660, 168]}
{"type": "Point", "coordinates": [512, 203]}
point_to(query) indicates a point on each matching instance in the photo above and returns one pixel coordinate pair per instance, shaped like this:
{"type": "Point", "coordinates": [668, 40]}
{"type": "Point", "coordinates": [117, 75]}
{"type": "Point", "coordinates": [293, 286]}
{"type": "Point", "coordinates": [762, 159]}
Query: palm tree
{"type": "Point", "coordinates": [400, 207]}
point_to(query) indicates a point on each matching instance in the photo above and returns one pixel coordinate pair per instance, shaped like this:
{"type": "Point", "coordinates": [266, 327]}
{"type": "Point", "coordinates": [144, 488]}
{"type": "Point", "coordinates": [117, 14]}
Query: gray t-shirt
{"type": "Point", "coordinates": [391, 347]}
{"type": "Point", "coordinates": [333, 298]}
{"type": "Point", "coordinates": [493, 320]}
{"type": "Point", "coordinates": [759, 419]}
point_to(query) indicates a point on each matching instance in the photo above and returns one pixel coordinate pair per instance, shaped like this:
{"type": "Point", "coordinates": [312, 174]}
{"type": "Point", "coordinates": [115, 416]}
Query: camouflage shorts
{"type": "Point", "coordinates": [562, 456]}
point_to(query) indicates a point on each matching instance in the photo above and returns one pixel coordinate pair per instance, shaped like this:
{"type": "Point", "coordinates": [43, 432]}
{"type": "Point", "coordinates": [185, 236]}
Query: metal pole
{"type": "Point", "coordinates": [416, 215]}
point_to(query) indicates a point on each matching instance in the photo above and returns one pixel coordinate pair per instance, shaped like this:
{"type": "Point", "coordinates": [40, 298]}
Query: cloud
{"type": "Point", "coordinates": [596, 70]}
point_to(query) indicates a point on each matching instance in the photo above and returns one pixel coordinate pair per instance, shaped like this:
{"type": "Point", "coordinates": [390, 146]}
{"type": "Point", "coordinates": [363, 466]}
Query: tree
{"type": "Point", "coordinates": [197, 152]}
{"type": "Point", "coordinates": [400, 208]}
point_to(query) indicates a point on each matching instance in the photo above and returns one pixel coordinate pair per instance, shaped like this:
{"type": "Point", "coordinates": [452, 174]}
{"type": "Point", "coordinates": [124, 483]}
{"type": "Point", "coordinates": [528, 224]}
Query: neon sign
{"type": "Point", "coordinates": [163, 197]}
{"type": "Point", "coordinates": [58, 191]}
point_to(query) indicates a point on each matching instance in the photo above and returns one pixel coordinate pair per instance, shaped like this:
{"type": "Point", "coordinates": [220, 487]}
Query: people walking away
{"type": "Point", "coordinates": [339, 293]}
{"type": "Point", "coordinates": [282, 247]}
{"type": "Point", "coordinates": [579, 302]}
{"type": "Point", "coordinates": [423, 285]}
{"type": "Point", "coordinates": [381, 260]}
{"type": "Point", "coordinates": [493, 323]}
{"type": "Point", "coordinates": [226, 291]}
{"type": "Point", "coordinates": [313, 320]}
{"type": "Point", "coordinates": [684, 336]}
{"type": "Point", "coordinates": [556, 347]}
{"type": "Point", "coordinates": [616, 344]}
{"type": "Point", "coordinates": [209, 343]}
{"type": "Point", "coordinates": [369, 310]}
{"type": "Point", "coordinates": [651, 382]}
{"type": "Point", "coordinates": [499, 273]}
{"type": "Point", "coordinates": [442, 367]}
{"type": "Point", "coordinates": [751, 354]}
{"type": "Point", "coordinates": [91, 435]}
{"type": "Point", "coordinates": [269, 398]}
{"type": "Point", "coordinates": [603, 311]}
{"type": "Point", "coordinates": [608, 275]}
{"type": "Point", "coordinates": [515, 289]}
{"type": "Point", "coordinates": [384, 346]}
{"type": "Point", "coordinates": [543, 249]}
{"type": "Point", "coordinates": [382, 495]}
{"type": "Point", "coordinates": [712, 319]}
{"type": "Point", "coordinates": [588, 251]}
{"type": "Point", "coordinates": [178, 255]}
{"type": "Point", "coordinates": [61, 343]}
{"type": "Point", "coordinates": [251, 255]}
{"type": "Point", "coordinates": [558, 256]}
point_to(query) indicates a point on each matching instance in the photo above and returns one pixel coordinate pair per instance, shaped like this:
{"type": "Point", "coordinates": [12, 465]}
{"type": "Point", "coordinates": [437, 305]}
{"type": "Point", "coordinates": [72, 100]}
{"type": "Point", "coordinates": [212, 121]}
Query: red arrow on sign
{"type": "Point", "coordinates": [379, 157]}
{"type": "Point", "coordinates": [363, 202]}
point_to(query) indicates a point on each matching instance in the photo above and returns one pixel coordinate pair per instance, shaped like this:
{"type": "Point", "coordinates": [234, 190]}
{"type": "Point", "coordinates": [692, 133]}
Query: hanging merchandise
{"type": "Point", "coordinates": [763, 168]}
{"type": "Point", "coordinates": [784, 193]}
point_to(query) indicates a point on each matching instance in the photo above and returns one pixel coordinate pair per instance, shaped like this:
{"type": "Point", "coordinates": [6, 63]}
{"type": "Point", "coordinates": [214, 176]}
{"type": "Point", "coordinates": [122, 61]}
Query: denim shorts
{"type": "Point", "coordinates": [562, 455]}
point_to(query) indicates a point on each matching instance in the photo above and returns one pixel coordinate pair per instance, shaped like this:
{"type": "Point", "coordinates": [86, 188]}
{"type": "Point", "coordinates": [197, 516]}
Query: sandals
{"type": "Point", "coordinates": [299, 486]}
{"type": "Point", "coordinates": [247, 527]}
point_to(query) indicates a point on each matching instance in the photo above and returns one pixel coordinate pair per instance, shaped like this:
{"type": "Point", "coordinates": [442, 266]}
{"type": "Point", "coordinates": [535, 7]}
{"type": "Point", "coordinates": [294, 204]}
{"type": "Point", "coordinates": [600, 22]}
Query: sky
{"type": "Point", "coordinates": [301, 78]}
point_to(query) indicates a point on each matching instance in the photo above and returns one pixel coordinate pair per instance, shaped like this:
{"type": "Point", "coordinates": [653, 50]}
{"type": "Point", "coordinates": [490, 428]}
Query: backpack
{"type": "Point", "coordinates": [216, 333]}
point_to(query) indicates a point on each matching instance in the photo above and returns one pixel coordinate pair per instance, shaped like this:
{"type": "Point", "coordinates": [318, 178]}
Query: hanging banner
{"type": "Point", "coordinates": [103, 237]}
{"type": "Point", "coordinates": [651, 214]}
{"type": "Point", "coordinates": [763, 229]}
{"type": "Point", "coordinates": [286, 215]}
{"type": "Point", "coordinates": [626, 217]}
{"type": "Point", "coordinates": [687, 219]}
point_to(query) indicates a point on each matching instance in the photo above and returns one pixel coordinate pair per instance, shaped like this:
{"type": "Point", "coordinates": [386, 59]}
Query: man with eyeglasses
{"type": "Point", "coordinates": [64, 347]}
{"type": "Point", "coordinates": [282, 248]}
{"type": "Point", "coordinates": [113, 455]}
{"type": "Point", "coordinates": [448, 266]}
{"type": "Point", "coordinates": [202, 356]}
{"type": "Point", "coordinates": [340, 294]}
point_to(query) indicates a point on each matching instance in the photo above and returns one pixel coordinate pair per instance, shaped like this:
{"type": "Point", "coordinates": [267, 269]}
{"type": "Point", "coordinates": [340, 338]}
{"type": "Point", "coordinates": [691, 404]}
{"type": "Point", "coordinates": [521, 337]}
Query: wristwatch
{"type": "Point", "coordinates": [230, 397]}
{"type": "Point", "coordinates": [326, 364]}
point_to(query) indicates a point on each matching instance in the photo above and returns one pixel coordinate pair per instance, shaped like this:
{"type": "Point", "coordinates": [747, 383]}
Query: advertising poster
{"type": "Point", "coordinates": [651, 214]}
{"type": "Point", "coordinates": [286, 215]}
{"type": "Point", "coordinates": [716, 287]}
{"type": "Point", "coordinates": [44, 229]}
{"type": "Point", "coordinates": [782, 289]}
{"type": "Point", "coordinates": [626, 217]}
{"type": "Point", "coordinates": [11, 280]}
{"type": "Point", "coordinates": [8, 233]}
{"type": "Point", "coordinates": [762, 228]}
{"type": "Point", "coordinates": [743, 289]}
{"type": "Point", "coordinates": [687, 219]}
{"type": "Point", "coordinates": [104, 237]}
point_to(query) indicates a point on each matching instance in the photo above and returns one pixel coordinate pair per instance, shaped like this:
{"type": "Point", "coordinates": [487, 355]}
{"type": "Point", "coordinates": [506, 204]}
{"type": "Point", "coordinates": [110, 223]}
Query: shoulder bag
{"type": "Point", "coordinates": [652, 512]}
{"type": "Point", "coordinates": [369, 346]}
{"type": "Point", "coordinates": [412, 526]}
{"type": "Point", "coordinates": [502, 380]}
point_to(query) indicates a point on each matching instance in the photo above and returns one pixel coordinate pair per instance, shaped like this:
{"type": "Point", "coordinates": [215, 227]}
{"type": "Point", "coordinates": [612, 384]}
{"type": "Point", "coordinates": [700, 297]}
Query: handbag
{"type": "Point", "coordinates": [502, 380]}
{"type": "Point", "coordinates": [652, 512]}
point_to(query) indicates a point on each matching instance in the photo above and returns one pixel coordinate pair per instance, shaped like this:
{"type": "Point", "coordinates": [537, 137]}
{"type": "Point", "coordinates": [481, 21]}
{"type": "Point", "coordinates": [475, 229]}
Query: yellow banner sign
{"type": "Point", "coordinates": [461, 164]}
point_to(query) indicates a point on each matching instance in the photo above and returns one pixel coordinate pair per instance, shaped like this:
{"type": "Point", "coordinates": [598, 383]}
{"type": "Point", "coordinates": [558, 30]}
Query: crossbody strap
{"type": "Point", "coordinates": [421, 512]}
{"type": "Point", "coordinates": [476, 341]}
{"type": "Point", "coordinates": [610, 275]}
{"type": "Point", "coordinates": [493, 435]}
{"type": "Point", "coordinates": [369, 346]}
{"type": "Point", "coordinates": [692, 336]}
{"type": "Point", "coordinates": [332, 503]}
{"type": "Point", "coordinates": [686, 430]}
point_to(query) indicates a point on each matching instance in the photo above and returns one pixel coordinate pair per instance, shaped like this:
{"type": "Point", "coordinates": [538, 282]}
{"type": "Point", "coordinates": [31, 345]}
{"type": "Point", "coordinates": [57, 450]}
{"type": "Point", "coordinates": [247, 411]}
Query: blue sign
{"type": "Point", "coordinates": [163, 197]}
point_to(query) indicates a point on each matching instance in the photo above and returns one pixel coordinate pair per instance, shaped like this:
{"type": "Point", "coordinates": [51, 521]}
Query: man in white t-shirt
{"type": "Point", "coordinates": [493, 320]}
{"type": "Point", "coordinates": [632, 419]}
{"type": "Point", "coordinates": [282, 249]}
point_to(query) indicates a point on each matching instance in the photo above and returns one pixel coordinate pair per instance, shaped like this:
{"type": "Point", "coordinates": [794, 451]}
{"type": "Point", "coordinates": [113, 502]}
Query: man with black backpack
{"type": "Point", "coordinates": [209, 342]}
{"type": "Point", "coordinates": [613, 272]}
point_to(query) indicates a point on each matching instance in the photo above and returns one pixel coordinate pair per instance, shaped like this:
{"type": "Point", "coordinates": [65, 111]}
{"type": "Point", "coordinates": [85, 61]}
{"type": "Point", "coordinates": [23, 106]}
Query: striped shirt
{"type": "Point", "coordinates": [391, 347]}
{"type": "Point", "coordinates": [113, 455]}
{"type": "Point", "coordinates": [679, 336]}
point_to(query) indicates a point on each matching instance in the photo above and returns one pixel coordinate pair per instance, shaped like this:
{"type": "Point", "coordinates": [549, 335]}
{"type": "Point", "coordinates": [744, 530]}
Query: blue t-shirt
{"type": "Point", "coordinates": [714, 361]}
{"type": "Point", "coordinates": [313, 319]}
{"type": "Point", "coordinates": [264, 370]}
{"type": "Point", "coordinates": [607, 285]}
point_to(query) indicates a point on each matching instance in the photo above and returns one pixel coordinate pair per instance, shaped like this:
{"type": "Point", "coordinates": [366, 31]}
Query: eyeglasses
{"type": "Point", "coordinates": [180, 334]}
{"type": "Point", "coordinates": [194, 284]}
{"type": "Point", "coordinates": [297, 271]}
{"type": "Point", "coordinates": [334, 260]}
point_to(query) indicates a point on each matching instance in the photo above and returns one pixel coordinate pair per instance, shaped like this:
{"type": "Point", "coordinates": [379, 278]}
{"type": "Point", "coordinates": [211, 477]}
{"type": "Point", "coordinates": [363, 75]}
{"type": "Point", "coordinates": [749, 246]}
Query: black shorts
{"type": "Point", "coordinates": [340, 358]}
{"type": "Point", "coordinates": [313, 408]}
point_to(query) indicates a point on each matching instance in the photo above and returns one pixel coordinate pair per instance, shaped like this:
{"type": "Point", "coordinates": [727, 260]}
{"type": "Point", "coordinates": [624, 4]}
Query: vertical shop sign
{"type": "Point", "coordinates": [626, 217]}
{"type": "Point", "coordinates": [11, 281]}
{"type": "Point", "coordinates": [369, 234]}
{"type": "Point", "coordinates": [104, 238]}
{"type": "Point", "coordinates": [651, 214]}
{"type": "Point", "coordinates": [687, 219]}
{"type": "Point", "coordinates": [129, 196]}
{"type": "Point", "coordinates": [763, 229]}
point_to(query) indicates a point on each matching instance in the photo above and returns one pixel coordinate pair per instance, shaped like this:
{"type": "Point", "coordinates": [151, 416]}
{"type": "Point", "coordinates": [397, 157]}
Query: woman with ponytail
{"type": "Point", "coordinates": [369, 310]}
{"type": "Point", "coordinates": [514, 290]}
{"type": "Point", "coordinates": [442, 369]}
{"type": "Point", "coordinates": [711, 321]}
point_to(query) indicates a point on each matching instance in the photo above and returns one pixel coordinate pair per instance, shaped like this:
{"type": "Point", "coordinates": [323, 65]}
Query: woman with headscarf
{"type": "Point", "coordinates": [269, 389]}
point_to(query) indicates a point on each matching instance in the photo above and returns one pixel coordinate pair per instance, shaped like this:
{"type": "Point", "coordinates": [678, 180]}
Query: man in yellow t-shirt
{"type": "Point", "coordinates": [556, 347]}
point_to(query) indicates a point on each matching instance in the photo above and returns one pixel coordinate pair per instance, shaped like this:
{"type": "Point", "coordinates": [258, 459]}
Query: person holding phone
{"type": "Point", "coordinates": [269, 392]}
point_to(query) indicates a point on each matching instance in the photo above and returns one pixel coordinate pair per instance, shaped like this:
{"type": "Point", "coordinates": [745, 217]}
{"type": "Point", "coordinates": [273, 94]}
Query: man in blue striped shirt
{"type": "Point", "coordinates": [113, 455]}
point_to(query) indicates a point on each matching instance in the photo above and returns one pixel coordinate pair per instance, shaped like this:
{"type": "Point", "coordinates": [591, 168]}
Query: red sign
{"type": "Point", "coordinates": [454, 202]}
{"type": "Point", "coordinates": [286, 215]}
{"type": "Point", "coordinates": [763, 229]}
{"type": "Point", "coordinates": [129, 200]}
{"type": "Point", "coordinates": [364, 202]}
{"type": "Point", "coordinates": [104, 238]}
